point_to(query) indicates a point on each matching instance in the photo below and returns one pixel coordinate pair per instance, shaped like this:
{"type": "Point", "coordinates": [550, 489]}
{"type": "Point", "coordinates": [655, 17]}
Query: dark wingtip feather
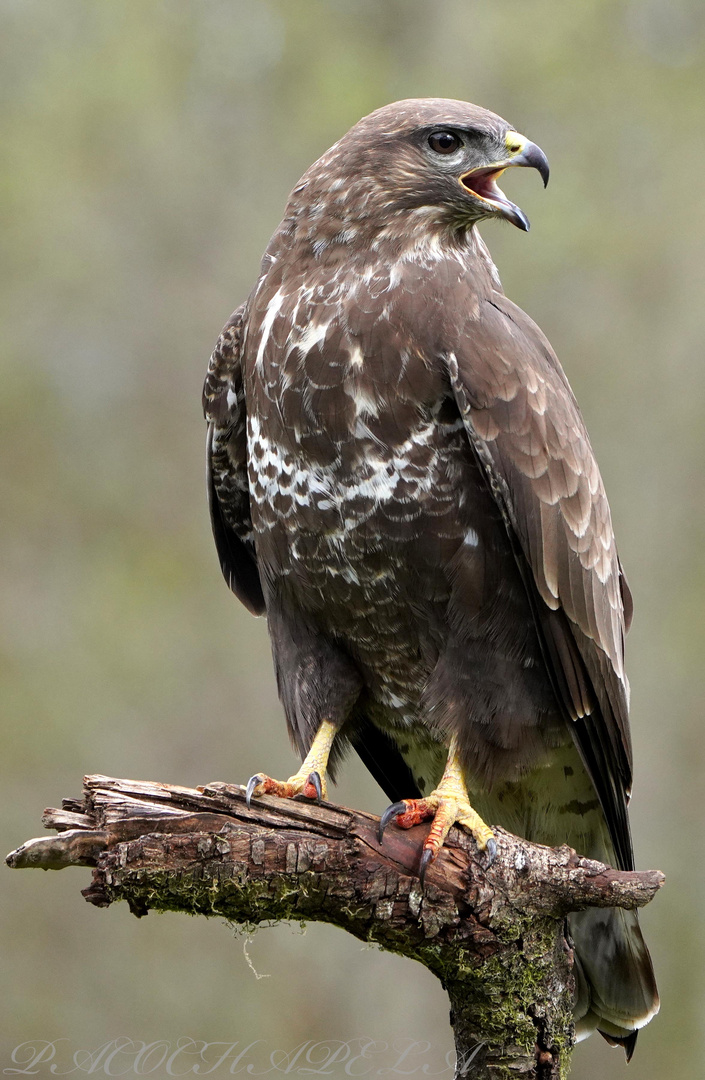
{"type": "Point", "coordinates": [237, 562]}
{"type": "Point", "coordinates": [628, 1042]}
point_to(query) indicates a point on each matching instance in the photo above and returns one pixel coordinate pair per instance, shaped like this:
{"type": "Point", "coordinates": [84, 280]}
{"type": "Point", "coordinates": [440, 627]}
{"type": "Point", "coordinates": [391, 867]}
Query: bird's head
{"type": "Point", "coordinates": [437, 157]}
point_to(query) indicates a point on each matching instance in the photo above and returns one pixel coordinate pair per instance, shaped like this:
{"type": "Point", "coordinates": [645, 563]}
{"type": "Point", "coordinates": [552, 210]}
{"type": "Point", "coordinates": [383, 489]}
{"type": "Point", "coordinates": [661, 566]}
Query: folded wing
{"type": "Point", "coordinates": [226, 465]}
{"type": "Point", "coordinates": [525, 427]}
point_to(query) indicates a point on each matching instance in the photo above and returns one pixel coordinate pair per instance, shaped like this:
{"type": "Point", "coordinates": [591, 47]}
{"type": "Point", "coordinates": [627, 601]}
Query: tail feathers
{"type": "Point", "coordinates": [628, 1042]}
{"type": "Point", "coordinates": [616, 988]}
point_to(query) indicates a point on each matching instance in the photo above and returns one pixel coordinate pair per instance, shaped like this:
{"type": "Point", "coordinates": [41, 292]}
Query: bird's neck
{"type": "Point", "coordinates": [416, 237]}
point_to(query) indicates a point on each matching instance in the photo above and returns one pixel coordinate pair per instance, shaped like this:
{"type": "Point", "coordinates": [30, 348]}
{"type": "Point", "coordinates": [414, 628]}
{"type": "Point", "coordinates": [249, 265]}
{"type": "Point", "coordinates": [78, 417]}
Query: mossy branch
{"type": "Point", "coordinates": [494, 936]}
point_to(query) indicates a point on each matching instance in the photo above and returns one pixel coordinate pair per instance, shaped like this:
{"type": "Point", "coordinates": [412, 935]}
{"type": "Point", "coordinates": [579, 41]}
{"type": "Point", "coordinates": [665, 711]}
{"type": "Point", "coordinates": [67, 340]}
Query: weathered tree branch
{"type": "Point", "coordinates": [494, 936]}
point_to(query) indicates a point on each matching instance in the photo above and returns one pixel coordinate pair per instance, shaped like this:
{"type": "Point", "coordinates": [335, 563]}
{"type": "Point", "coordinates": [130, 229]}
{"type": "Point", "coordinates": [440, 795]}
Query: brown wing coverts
{"type": "Point", "coordinates": [226, 457]}
{"type": "Point", "coordinates": [526, 429]}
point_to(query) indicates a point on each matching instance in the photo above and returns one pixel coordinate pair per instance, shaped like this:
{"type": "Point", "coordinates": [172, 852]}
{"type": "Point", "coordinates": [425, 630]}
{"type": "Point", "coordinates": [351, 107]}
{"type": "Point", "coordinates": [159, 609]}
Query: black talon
{"type": "Point", "coordinates": [392, 811]}
{"type": "Point", "coordinates": [491, 849]}
{"type": "Point", "coordinates": [315, 779]}
{"type": "Point", "coordinates": [426, 859]}
{"type": "Point", "coordinates": [251, 785]}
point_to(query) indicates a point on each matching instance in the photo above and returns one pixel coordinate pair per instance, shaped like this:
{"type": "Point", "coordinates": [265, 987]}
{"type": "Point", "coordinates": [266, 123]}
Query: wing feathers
{"type": "Point", "coordinates": [226, 465]}
{"type": "Point", "coordinates": [527, 431]}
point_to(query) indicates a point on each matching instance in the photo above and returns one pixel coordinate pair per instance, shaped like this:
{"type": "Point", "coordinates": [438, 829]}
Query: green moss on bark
{"type": "Point", "coordinates": [512, 1002]}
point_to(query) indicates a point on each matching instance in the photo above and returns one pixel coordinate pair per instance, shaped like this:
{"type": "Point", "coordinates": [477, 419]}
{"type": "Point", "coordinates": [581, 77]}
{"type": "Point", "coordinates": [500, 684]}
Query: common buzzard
{"type": "Point", "coordinates": [401, 480]}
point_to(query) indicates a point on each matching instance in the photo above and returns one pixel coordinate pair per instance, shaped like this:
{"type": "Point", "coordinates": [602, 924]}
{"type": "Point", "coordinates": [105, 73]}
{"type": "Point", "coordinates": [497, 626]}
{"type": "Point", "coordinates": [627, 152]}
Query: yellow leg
{"type": "Point", "coordinates": [310, 780]}
{"type": "Point", "coordinates": [447, 805]}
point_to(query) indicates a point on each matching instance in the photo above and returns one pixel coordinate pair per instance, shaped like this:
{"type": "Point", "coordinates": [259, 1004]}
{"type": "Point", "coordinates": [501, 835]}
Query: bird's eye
{"type": "Point", "coordinates": [443, 142]}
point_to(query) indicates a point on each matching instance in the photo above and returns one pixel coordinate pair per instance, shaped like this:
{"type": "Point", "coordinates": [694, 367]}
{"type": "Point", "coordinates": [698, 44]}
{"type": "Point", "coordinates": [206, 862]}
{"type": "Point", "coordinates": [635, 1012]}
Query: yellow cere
{"type": "Point", "coordinates": [515, 142]}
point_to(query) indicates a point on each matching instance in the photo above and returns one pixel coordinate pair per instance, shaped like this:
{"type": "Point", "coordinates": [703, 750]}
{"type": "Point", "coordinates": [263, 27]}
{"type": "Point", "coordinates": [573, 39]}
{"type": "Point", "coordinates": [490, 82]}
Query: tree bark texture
{"type": "Point", "coordinates": [495, 936]}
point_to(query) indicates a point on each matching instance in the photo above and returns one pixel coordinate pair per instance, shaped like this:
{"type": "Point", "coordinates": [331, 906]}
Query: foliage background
{"type": "Point", "coordinates": [148, 149]}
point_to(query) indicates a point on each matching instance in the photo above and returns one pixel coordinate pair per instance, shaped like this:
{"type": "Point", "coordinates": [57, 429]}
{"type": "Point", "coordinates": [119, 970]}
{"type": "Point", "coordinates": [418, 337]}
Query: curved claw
{"type": "Point", "coordinates": [427, 857]}
{"type": "Point", "coordinates": [312, 790]}
{"type": "Point", "coordinates": [392, 811]}
{"type": "Point", "coordinates": [251, 785]}
{"type": "Point", "coordinates": [491, 849]}
{"type": "Point", "coordinates": [314, 779]}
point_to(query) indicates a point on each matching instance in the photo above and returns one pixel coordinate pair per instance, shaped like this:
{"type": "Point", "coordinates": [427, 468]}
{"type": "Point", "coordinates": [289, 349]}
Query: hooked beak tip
{"type": "Point", "coordinates": [533, 157]}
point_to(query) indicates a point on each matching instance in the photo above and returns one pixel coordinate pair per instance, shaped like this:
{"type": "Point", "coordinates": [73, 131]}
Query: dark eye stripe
{"type": "Point", "coordinates": [443, 142]}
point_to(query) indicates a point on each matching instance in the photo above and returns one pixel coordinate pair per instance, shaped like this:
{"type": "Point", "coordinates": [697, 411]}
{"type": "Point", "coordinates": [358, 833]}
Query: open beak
{"type": "Point", "coordinates": [481, 182]}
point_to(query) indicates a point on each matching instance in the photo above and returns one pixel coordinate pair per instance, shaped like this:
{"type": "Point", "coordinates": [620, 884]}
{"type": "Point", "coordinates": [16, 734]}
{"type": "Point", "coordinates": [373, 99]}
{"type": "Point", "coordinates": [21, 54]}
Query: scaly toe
{"type": "Point", "coordinates": [310, 786]}
{"type": "Point", "coordinates": [445, 810]}
{"type": "Point", "coordinates": [408, 812]}
{"type": "Point", "coordinates": [484, 837]}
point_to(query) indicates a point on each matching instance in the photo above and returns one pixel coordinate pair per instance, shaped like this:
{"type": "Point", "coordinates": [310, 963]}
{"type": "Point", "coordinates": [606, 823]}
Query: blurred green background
{"type": "Point", "coordinates": [148, 149]}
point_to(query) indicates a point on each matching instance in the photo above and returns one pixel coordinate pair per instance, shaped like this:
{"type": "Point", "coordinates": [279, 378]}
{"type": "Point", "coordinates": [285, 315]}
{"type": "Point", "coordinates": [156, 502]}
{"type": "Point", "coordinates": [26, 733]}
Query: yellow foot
{"type": "Point", "coordinates": [309, 784]}
{"type": "Point", "coordinates": [309, 781]}
{"type": "Point", "coordinates": [446, 806]}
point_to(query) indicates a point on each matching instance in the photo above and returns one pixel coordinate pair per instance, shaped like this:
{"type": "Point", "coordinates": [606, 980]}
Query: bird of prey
{"type": "Point", "coordinates": [401, 480]}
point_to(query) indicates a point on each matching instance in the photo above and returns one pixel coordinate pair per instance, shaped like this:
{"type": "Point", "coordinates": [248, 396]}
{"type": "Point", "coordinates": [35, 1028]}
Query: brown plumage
{"type": "Point", "coordinates": [401, 479]}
